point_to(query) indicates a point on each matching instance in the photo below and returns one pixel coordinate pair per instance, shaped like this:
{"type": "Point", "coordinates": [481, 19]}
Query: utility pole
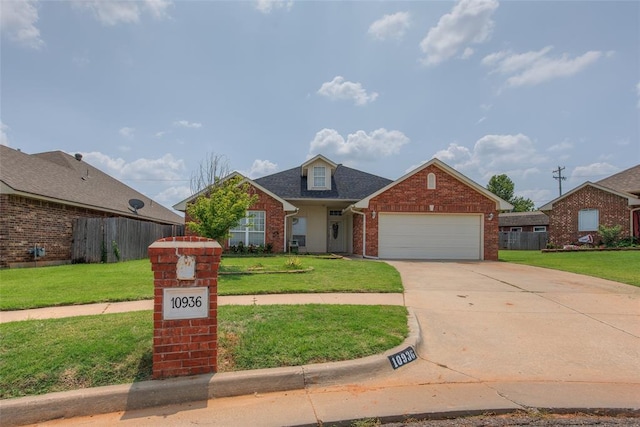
{"type": "Point", "coordinates": [559, 177]}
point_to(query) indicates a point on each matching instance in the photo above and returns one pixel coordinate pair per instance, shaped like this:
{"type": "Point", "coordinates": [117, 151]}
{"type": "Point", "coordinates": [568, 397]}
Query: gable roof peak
{"type": "Point", "coordinates": [305, 166]}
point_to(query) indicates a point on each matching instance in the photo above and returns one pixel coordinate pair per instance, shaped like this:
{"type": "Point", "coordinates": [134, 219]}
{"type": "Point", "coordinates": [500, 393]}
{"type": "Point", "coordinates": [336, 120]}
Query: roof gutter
{"type": "Point", "coordinates": [364, 232]}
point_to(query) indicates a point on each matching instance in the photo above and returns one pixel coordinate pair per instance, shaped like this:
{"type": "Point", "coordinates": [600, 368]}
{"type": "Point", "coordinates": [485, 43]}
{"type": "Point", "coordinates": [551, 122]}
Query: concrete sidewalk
{"type": "Point", "coordinates": [491, 337]}
{"type": "Point", "coordinates": [122, 307]}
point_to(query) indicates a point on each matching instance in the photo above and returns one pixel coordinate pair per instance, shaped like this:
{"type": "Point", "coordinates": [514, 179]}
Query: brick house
{"type": "Point", "coordinates": [42, 194]}
{"type": "Point", "coordinates": [609, 202]}
{"type": "Point", "coordinates": [535, 221]}
{"type": "Point", "coordinates": [433, 212]}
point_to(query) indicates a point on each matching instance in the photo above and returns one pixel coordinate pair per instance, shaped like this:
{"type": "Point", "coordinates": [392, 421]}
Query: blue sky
{"type": "Point", "coordinates": [145, 90]}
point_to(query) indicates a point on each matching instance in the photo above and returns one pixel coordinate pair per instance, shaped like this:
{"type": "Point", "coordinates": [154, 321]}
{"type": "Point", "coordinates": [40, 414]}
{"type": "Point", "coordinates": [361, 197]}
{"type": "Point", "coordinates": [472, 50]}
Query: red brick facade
{"type": "Point", "coordinates": [185, 346]}
{"type": "Point", "coordinates": [411, 195]}
{"type": "Point", "coordinates": [26, 222]}
{"type": "Point", "coordinates": [274, 220]}
{"type": "Point", "coordinates": [563, 218]}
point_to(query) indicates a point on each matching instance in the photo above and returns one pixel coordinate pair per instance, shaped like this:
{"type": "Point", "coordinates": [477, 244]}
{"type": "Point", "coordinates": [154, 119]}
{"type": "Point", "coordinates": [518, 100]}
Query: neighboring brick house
{"type": "Point", "coordinates": [42, 194]}
{"type": "Point", "coordinates": [609, 202]}
{"type": "Point", "coordinates": [433, 212]}
{"type": "Point", "coordinates": [535, 221]}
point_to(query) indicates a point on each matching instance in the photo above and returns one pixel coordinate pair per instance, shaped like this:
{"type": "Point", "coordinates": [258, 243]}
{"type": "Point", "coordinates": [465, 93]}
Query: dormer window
{"type": "Point", "coordinates": [319, 177]}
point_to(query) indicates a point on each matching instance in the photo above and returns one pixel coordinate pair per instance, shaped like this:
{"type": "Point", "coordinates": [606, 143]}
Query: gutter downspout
{"type": "Point", "coordinates": [364, 233]}
{"type": "Point", "coordinates": [285, 228]}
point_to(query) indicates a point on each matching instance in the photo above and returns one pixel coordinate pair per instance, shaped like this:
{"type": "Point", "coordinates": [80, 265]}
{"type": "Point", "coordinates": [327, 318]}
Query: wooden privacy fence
{"type": "Point", "coordinates": [523, 240]}
{"type": "Point", "coordinates": [116, 239]}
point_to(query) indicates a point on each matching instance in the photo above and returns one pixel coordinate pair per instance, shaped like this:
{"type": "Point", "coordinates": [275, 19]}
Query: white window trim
{"type": "Point", "coordinates": [539, 228]}
{"type": "Point", "coordinates": [250, 231]}
{"type": "Point", "coordinates": [324, 177]}
{"type": "Point", "coordinates": [516, 229]}
{"type": "Point", "coordinates": [588, 219]}
{"type": "Point", "coordinates": [431, 181]}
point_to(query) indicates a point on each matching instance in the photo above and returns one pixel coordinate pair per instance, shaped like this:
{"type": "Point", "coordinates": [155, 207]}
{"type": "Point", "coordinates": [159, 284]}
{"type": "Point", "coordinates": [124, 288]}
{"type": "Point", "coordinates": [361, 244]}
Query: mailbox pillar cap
{"type": "Point", "coordinates": [185, 244]}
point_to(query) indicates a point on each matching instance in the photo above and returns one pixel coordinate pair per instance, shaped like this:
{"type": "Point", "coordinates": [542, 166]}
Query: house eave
{"type": "Point", "coordinates": [5, 189]}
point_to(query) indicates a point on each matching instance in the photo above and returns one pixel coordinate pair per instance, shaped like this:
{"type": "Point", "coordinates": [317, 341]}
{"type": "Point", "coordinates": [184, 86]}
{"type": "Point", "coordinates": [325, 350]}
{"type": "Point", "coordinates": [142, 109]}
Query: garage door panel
{"type": "Point", "coordinates": [429, 236]}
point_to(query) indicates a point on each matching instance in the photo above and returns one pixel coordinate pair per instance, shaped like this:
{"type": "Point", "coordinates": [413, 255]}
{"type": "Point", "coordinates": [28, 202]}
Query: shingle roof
{"type": "Point", "coordinates": [346, 184]}
{"type": "Point", "coordinates": [519, 219]}
{"type": "Point", "coordinates": [627, 181]}
{"type": "Point", "coordinates": [60, 177]}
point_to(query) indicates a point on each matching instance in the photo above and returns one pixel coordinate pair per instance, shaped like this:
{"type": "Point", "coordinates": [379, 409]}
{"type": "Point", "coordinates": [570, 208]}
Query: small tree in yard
{"type": "Point", "coordinates": [222, 207]}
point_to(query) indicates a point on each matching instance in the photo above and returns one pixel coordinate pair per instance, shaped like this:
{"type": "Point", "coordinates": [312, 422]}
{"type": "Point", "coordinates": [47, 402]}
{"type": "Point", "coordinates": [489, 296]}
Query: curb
{"type": "Point", "coordinates": [147, 394]}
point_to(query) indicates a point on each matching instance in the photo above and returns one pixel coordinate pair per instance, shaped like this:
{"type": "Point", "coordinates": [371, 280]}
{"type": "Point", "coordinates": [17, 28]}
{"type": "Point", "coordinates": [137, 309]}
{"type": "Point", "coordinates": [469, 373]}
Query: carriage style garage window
{"type": "Point", "coordinates": [588, 220]}
{"type": "Point", "coordinates": [250, 231]}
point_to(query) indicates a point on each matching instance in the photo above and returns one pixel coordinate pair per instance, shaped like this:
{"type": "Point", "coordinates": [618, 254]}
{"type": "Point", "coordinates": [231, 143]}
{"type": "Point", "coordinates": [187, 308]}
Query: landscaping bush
{"type": "Point", "coordinates": [610, 235]}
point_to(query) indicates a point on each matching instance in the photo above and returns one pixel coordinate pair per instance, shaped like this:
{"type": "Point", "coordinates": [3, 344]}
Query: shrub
{"type": "Point", "coordinates": [293, 262]}
{"type": "Point", "coordinates": [610, 235]}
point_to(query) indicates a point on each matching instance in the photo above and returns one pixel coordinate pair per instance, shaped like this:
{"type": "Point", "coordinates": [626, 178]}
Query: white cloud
{"type": "Point", "coordinates": [535, 67]}
{"type": "Point", "coordinates": [638, 92]}
{"type": "Point", "coordinates": [338, 89]}
{"type": "Point", "coordinates": [187, 124]}
{"type": "Point", "coordinates": [4, 139]}
{"type": "Point", "coordinates": [173, 195]}
{"type": "Point", "coordinates": [593, 172]}
{"type": "Point", "coordinates": [469, 22]}
{"type": "Point", "coordinates": [390, 26]}
{"type": "Point", "coordinates": [515, 155]}
{"type": "Point", "coordinates": [127, 132]}
{"type": "Point", "coordinates": [266, 6]}
{"type": "Point", "coordinates": [359, 145]}
{"type": "Point", "coordinates": [18, 21]}
{"type": "Point", "coordinates": [562, 146]}
{"type": "Point", "coordinates": [114, 12]}
{"type": "Point", "coordinates": [261, 168]}
{"type": "Point", "coordinates": [164, 168]}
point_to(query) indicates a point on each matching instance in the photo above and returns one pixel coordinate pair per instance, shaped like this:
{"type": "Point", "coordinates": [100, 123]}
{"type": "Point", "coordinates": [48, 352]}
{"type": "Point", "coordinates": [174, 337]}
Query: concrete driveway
{"type": "Point", "coordinates": [501, 322]}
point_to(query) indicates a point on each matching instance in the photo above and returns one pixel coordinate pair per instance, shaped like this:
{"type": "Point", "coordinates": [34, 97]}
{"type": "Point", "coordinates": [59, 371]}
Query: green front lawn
{"type": "Point", "coordinates": [133, 280]}
{"type": "Point", "coordinates": [43, 356]}
{"type": "Point", "coordinates": [619, 266]}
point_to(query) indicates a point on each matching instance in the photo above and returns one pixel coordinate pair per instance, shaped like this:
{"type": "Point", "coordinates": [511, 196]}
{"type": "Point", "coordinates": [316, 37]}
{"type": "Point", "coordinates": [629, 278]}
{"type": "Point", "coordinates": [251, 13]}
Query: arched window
{"type": "Point", "coordinates": [431, 181]}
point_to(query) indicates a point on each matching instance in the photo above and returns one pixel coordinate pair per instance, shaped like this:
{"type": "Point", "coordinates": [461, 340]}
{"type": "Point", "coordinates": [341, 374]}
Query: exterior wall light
{"type": "Point", "coordinates": [373, 214]}
{"type": "Point", "coordinates": [490, 216]}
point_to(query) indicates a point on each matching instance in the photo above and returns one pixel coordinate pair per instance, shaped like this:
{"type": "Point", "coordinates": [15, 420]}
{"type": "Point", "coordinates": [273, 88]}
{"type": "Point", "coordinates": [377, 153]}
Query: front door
{"type": "Point", "coordinates": [336, 236]}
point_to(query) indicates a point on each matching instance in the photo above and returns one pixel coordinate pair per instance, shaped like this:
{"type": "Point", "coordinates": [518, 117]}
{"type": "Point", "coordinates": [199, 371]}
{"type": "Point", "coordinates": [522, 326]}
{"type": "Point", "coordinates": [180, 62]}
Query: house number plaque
{"type": "Point", "coordinates": [185, 303]}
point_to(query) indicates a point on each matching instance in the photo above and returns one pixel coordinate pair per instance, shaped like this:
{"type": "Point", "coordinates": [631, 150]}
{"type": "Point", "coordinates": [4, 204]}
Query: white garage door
{"type": "Point", "coordinates": [429, 236]}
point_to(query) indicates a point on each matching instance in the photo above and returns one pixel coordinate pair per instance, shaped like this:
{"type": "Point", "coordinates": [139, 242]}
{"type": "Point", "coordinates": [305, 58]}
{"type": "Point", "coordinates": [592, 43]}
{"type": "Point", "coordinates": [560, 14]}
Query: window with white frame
{"type": "Point", "coordinates": [540, 228]}
{"type": "Point", "coordinates": [431, 181]}
{"type": "Point", "coordinates": [588, 219]}
{"type": "Point", "coordinates": [516, 229]}
{"type": "Point", "coordinates": [319, 176]}
{"type": "Point", "coordinates": [250, 230]}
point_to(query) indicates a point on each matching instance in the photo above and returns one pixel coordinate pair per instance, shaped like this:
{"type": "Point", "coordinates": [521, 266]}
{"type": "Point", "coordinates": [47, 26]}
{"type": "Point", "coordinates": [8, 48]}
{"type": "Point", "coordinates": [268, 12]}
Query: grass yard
{"type": "Point", "coordinates": [620, 266]}
{"type": "Point", "coordinates": [43, 356]}
{"type": "Point", "coordinates": [133, 280]}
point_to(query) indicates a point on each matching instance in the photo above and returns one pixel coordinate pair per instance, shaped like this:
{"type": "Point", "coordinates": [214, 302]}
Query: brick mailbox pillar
{"type": "Point", "coordinates": [185, 314]}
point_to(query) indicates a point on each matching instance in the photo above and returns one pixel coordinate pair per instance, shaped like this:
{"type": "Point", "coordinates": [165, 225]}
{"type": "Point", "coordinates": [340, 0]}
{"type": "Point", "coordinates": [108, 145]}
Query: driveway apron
{"type": "Point", "coordinates": [499, 322]}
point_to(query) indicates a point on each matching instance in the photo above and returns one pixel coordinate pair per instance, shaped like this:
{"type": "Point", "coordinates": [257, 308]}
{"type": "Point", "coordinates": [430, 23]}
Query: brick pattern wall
{"type": "Point", "coordinates": [26, 222]}
{"type": "Point", "coordinates": [563, 219]}
{"type": "Point", "coordinates": [274, 220]}
{"type": "Point", "coordinates": [186, 346]}
{"type": "Point", "coordinates": [411, 195]}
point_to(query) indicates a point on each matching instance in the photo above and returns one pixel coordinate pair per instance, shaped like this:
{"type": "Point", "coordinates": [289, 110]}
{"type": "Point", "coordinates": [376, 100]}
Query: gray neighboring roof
{"type": "Point", "coordinates": [519, 219]}
{"type": "Point", "coordinates": [58, 177]}
{"type": "Point", "coordinates": [346, 184]}
{"type": "Point", "coordinates": [627, 181]}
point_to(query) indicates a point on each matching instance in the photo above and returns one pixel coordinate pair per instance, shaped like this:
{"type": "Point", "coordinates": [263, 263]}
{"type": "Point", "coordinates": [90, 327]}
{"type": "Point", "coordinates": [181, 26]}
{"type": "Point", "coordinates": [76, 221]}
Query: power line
{"type": "Point", "coordinates": [560, 178]}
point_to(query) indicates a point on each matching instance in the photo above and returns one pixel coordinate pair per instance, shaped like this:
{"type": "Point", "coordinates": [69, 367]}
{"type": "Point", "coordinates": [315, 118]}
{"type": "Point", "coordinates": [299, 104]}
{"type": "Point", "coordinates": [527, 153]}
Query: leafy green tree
{"type": "Point", "coordinates": [503, 187]}
{"type": "Point", "coordinates": [221, 207]}
{"type": "Point", "coordinates": [520, 204]}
